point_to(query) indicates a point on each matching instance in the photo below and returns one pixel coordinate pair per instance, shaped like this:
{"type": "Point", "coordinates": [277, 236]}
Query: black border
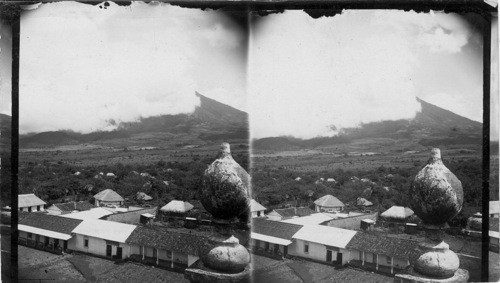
{"type": "Point", "coordinates": [315, 8]}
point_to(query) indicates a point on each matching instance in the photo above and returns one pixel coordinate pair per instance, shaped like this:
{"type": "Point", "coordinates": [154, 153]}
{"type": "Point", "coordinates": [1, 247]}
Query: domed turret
{"type": "Point", "coordinates": [437, 261]}
{"type": "Point", "coordinates": [225, 187]}
{"type": "Point", "coordinates": [436, 193]}
{"type": "Point", "coordinates": [228, 256]}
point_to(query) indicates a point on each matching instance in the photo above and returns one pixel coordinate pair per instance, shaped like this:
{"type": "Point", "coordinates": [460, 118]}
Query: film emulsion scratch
{"type": "Point", "coordinates": [211, 141]}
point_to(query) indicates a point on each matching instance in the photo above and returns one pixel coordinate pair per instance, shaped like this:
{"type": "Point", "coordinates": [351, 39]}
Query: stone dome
{"type": "Point", "coordinates": [437, 261]}
{"type": "Point", "coordinates": [228, 256]}
{"type": "Point", "coordinates": [436, 193]}
{"type": "Point", "coordinates": [225, 185]}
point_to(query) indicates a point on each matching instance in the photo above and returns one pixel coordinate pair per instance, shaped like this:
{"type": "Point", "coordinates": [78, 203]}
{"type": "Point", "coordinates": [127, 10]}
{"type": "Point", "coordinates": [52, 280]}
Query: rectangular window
{"type": "Point", "coordinates": [389, 259]}
{"type": "Point", "coordinates": [29, 209]}
{"type": "Point", "coordinates": [169, 254]}
{"type": "Point", "coordinates": [306, 247]}
{"type": "Point", "coordinates": [86, 243]}
{"type": "Point", "coordinates": [38, 208]}
{"type": "Point", "coordinates": [30, 235]}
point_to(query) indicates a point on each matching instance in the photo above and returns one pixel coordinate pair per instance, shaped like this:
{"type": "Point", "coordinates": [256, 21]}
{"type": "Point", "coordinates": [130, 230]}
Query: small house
{"type": "Point", "coordinates": [142, 196]}
{"type": "Point", "coordinates": [108, 197]}
{"type": "Point", "coordinates": [328, 203]}
{"type": "Point", "coordinates": [103, 238]}
{"type": "Point", "coordinates": [30, 203]}
{"type": "Point", "coordinates": [177, 206]}
{"type": "Point", "coordinates": [287, 213]}
{"type": "Point", "coordinates": [256, 208]}
{"type": "Point", "coordinates": [397, 214]}
{"type": "Point", "coordinates": [322, 243]}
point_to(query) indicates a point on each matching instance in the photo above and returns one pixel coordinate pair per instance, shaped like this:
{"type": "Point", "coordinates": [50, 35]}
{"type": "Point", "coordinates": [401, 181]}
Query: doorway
{"type": "Point", "coordinates": [119, 252]}
{"type": "Point", "coordinates": [108, 250]}
{"type": "Point", "coordinates": [339, 258]}
{"type": "Point", "coordinates": [328, 255]}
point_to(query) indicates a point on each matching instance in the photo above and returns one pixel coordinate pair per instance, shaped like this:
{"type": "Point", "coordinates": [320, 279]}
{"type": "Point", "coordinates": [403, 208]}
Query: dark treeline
{"type": "Point", "coordinates": [56, 181]}
{"type": "Point", "coordinates": [276, 188]}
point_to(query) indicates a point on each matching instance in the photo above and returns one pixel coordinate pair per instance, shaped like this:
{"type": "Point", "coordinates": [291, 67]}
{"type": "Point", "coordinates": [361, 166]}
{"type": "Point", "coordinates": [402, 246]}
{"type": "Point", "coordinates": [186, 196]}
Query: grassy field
{"type": "Point", "coordinates": [95, 155]}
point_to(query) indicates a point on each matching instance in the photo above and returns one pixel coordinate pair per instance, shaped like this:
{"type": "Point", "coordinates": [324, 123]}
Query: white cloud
{"type": "Point", "coordinates": [87, 65]}
{"type": "Point", "coordinates": [307, 75]}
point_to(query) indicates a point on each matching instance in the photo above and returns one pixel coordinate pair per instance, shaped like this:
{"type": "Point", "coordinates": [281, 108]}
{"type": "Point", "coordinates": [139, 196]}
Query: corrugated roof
{"type": "Point", "coordinates": [108, 195]}
{"type": "Point", "coordinates": [177, 206]}
{"type": "Point", "coordinates": [313, 219]}
{"type": "Point", "coordinates": [107, 230]}
{"type": "Point", "coordinates": [389, 246]}
{"type": "Point", "coordinates": [397, 212]}
{"type": "Point", "coordinates": [294, 211]}
{"type": "Point", "coordinates": [50, 222]}
{"type": "Point", "coordinates": [71, 206]}
{"type": "Point", "coordinates": [330, 236]}
{"type": "Point", "coordinates": [94, 213]}
{"type": "Point", "coordinates": [274, 228]}
{"type": "Point", "coordinates": [27, 200]}
{"type": "Point", "coordinates": [328, 201]}
{"type": "Point", "coordinates": [162, 238]}
{"type": "Point", "coordinates": [255, 206]}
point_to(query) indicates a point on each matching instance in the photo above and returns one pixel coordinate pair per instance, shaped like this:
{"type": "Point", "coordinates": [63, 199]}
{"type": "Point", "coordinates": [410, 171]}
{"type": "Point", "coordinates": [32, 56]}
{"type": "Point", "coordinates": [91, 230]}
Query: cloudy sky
{"type": "Point", "coordinates": [361, 66]}
{"type": "Point", "coordinates": [83, 65]}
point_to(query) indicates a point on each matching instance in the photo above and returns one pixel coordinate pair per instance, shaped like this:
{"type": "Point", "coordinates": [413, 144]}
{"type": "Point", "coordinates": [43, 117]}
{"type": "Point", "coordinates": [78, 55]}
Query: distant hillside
{"type": "Point", "coordinates": [431, 127]}
{"type": "Point", "coordinates": [211, 120]}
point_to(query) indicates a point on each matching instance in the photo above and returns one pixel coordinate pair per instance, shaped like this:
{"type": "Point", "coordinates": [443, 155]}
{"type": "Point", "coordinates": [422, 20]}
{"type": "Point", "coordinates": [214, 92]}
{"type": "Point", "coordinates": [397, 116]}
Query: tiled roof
{"type": "Point", "coordinates": [50, 222]}
{"type": "Point", "coordinates": [328, 201]}
{"type": "Point", "coordinates": [294, 211]}
{"type": "Point", "coordinates": [255, 206]}
{"type": "Point", "coordinates": [108, 195]}
{"type": "Point", "coordinates": [389, 246]}
{"type": "Point", "coordinates": [274, 228]}
{"type": "Point", "coordinates": [70, 206]}
{"type": "Point", "coordinates": [27, 200]}
{"type": "Point", "coordinates": [162, 238]}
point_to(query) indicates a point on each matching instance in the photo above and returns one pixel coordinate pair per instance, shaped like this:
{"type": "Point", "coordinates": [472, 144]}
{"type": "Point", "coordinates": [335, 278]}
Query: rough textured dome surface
{"type": "Point", "coordinates": [437, 261]}
{"type": "Point", "coordinates": [229, 256]}
{"type": "Point", "coordinates": [225, 187]}
{"type": "Point", "coordinates": [436, 193]}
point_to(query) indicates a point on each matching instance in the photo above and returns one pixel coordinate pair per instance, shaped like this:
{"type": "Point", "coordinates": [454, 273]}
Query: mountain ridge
{"type": "Point", "coordinates": [431, 126]}
{"type": "Point", "coordinates": [210, 120]}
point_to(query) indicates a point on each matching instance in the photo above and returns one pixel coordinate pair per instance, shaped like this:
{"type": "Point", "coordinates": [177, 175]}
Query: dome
{"type": "Point", "coordinates": [228, 256]}
{"type": "Point", "coordinates": [436, 193]}
{"type": "Point", "coordinates": [224, 190]}
{"type": "Point", "coordinates": [437, 261]}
